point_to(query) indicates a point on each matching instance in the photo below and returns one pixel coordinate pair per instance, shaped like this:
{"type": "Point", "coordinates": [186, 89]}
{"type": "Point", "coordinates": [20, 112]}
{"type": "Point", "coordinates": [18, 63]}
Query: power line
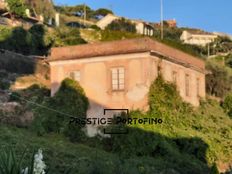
{"type": "Point", "coordinates": [42, 106]}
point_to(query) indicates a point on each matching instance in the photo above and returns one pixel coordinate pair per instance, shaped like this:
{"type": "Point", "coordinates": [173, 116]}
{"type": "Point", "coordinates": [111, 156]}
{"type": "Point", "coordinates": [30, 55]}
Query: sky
{"type": "Point", "coordinates": [209, 15]}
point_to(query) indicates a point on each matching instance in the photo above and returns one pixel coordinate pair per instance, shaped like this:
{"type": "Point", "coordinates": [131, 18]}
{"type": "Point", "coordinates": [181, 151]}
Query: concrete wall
{"type": "Point", "coordinates": [104, 22]}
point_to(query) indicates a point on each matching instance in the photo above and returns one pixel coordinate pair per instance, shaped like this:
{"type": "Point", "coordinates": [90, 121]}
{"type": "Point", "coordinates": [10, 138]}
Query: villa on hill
{"type": "Point", "coordinates": [118, 74]}
{"type": "Point", "coordinates": [197, 37]}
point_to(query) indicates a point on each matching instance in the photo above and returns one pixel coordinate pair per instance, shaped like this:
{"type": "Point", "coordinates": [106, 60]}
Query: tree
{"type": "Point", "coordinates": [218, 80]}
{"type": "Point", "coordinates": [17, 8]}
{"type": "Point", "coordinates": [40, 41]}
{"type": "Point", "coordinates": [78, 10]}
{"type": "Point", "coordinates": [101, 12]}
{"type": "Point", "coordinates": [227, 104]}
{"type": "Point", "coordinates": [69, 101]}
{"type": "Point", "coordinates": [228, 60]}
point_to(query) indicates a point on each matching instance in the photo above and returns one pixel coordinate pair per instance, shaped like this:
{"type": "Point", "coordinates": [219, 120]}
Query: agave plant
{"type": "Point", "coordinates": [10, 164]}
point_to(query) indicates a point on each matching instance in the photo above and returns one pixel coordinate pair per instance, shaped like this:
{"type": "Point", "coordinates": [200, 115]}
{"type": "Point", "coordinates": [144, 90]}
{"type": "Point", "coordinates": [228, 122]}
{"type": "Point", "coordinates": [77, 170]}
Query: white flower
{"type": "Point", "coordinates": [25, 171]}
{"type": "Point", "coordinates": [39, 165]}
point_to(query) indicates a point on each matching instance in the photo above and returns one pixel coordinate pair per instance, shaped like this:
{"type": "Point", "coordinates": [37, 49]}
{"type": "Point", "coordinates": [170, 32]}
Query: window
{"type": "Point", "coordinates": [118, 78]}
{"type": "Point", "coordinates": [187, 83]}
{"type": "Point", "coordinates": [198, 87]}
{"type": "Point", "coordinates": [75, 75]}
{"type": "Point", "coordinates": [174, 77]}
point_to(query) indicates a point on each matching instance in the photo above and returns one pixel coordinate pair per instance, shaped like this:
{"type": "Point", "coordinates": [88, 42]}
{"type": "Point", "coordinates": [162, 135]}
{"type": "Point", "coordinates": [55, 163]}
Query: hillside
{"type": "Point", "coordinates": [45, 7]}
{"type": "Point", "coordinates": [190, 140]}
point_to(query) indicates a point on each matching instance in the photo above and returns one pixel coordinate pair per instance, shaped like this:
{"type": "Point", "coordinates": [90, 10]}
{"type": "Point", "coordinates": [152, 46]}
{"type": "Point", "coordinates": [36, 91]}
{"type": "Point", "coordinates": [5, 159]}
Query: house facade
{"type": "Point", "coordinates": [2, 3]}
{"type": "Point", "coordinates": [142, 27]}
{"type": "Point", "coordinates": [197, 38]}
{"type": "Point", "coordinates": [118, 74]}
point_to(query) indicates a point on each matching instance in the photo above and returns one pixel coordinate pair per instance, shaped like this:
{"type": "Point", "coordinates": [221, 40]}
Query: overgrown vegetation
{"type": "Point", "coordinates": [188, 141]}
{"type": "Point", "coordinates": [69, 101]}
{"type": "Point", "coordinates": [66, 36]}
{"type": "Point", "coordinates": [28, 42]}
{"type": "Point", "coordinates": [108, 35]}
{"type": "Point", "coordinates": [37, 40]}
{"type": "Point", "coordinates": [227, 104]}
{"type": "Point", "coordinates": [122, 25]}
{"type": "Point", "coordinates": [17, 8]}
{"type": "Point", "coordinates": [218, 78]}
{"type": "Point", "coordinates": [79, 11]}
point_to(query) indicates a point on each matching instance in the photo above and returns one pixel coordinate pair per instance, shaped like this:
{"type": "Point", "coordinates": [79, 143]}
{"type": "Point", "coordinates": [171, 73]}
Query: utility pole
{"type": "Point", "coordinates": [84, 14]}
{"type": "Point", "coordinates": [208, 50]}
{"type": "Point", "coordinates": [161, 20]}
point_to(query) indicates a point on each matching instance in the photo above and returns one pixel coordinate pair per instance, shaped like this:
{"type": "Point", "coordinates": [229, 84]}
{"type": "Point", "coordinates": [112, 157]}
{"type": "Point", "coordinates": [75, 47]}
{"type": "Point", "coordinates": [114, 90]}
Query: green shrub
{"type": "Point", "coordinates": [109, 35]}
{"type": "Point", "coordinates": [122, 25]}
{"type": "Point", "coordinates": [17, 7]}
{"type": "Point", "coordinates": [14, 97]}
{"type": "Point", "coordinates": [5, 33]}
{"type": "Point", "coordinates": [69, 101]}
{"type": "Point", "coordinates": [227, 104]}
{"type": "Point", "coordinates": [4, 84]}
{"type": "Point", "coordinates": [95, 27]}
{"type": "Point", "coordinates": [219, 80]}
{"type": "Point", "coordinates": [163, 97]}
{"type": "Point", "coordinates": [214, 169]}
{"type": "Point", "coordinates": [35, 41]}
{"type": "Point", "coordinates": [66, 36]}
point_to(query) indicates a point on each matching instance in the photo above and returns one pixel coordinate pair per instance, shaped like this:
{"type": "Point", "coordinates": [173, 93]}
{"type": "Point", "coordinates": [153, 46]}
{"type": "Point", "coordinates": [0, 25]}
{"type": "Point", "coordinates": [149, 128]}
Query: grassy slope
{"type": "Point", "coordinates": [207, 123]}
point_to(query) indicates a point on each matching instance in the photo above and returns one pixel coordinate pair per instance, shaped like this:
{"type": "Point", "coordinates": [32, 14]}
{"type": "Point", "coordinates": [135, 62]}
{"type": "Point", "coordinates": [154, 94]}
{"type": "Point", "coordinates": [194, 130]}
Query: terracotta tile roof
{"type": "Point", "coordinates": [198, 32]}
{"type": "Point", "coordinates": [138, 45]}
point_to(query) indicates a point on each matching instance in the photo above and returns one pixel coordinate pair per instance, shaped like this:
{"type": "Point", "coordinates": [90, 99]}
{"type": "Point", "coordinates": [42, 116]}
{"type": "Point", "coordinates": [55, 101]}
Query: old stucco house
{"type": "Point", "coordinates": [118, 74]}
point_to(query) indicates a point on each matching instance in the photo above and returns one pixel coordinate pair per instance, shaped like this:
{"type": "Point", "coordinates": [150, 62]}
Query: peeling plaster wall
{"type": "Point", "coordinates": [141, 69]}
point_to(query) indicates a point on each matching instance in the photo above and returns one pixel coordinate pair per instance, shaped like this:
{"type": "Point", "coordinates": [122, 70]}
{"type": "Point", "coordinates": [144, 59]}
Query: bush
{"type": "Point", "coordinates": [163, 97]}
{"type": "Point", "coordinates": [108, 35]}
{"type": "Point", "coordinates": [95, 27]}
{"type": "Point", "coordinates": [69, 101]}
{"type": "Point", "coordinates": [219, 80]}
{"type": "Point", "coordinates": [227, 104]}
{"type": "Point", "coordinates": [122, 25]}
{"type": "Point", "coordinates": [67, 36]}
{"type": "Point", "coordinates": [34, 41]}
{"type": "Point", "coordinates": [4, 84]}
{"type": "Point", "coordinates": [17, 7]}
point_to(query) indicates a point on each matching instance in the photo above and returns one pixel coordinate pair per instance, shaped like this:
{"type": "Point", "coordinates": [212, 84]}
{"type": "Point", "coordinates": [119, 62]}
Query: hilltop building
{"type": "Point", "coordinates": [171, 23]}
{"type": "Point", "coordinates": [31, 18]}
{"type": "Point", "coordinates": [197, 37]}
